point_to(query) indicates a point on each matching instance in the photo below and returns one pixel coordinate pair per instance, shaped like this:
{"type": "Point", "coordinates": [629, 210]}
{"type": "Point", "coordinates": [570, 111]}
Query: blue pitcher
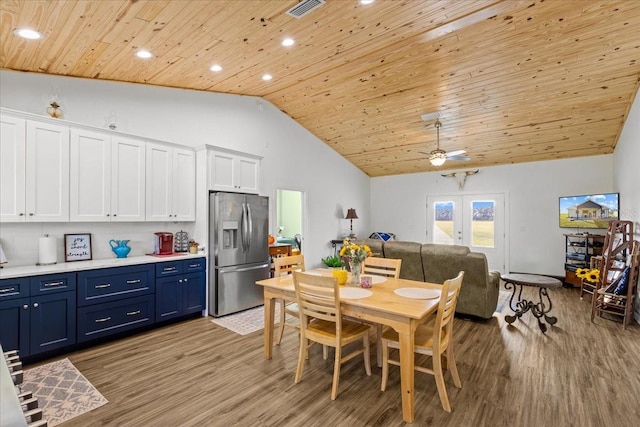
{"type": "Point", "coordinates": [120, 248]}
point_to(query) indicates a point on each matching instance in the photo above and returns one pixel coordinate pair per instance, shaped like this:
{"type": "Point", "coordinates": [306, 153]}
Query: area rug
{"type": "Point", "coordinates": [247, 321]}
{"type": "Point", "coordinates": [62, 391]}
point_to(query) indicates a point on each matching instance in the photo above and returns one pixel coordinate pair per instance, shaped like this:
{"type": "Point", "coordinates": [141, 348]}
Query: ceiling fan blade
{"type": "Point", "coordinates": [455, 153]}
{"type": "Point", "coordinates": [458, 158]}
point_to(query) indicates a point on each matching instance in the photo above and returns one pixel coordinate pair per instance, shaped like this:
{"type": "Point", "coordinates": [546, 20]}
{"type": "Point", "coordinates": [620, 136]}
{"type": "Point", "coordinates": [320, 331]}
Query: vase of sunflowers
{"type": "Point", "coordinates": [354, 254]}
{"type": "Point", "coordinates": [591, 275]}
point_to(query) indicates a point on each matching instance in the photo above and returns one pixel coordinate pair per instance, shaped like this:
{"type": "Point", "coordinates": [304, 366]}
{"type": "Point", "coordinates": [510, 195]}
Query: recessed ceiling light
{"type": "Point", "coordinates": [267, 77]}
{"type": "Point", "coordinates": [216, 68]}
{"type": "Point", "coordinates": [366, 1]}
{"type": "Point", "coordinates": [27, 33]}
{"type": "Point", "coordinates": [144, 54]}
{"type": "Point", "coordinates": [288, 42]}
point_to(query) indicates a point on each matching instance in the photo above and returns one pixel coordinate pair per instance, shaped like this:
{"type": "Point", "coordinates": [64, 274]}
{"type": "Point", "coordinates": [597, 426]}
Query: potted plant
{"type": "Point", "coordinates": [333, 261]}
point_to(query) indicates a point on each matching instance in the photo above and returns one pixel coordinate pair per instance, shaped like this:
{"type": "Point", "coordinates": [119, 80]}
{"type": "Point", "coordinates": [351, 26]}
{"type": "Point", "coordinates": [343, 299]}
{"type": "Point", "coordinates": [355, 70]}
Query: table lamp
{"type": "Point", "coordinates": [351, 215]}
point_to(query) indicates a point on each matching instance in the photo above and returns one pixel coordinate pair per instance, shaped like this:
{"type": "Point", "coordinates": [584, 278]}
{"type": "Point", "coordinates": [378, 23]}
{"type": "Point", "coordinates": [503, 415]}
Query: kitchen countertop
{"type": "Point", "coordinates": [9, 272]}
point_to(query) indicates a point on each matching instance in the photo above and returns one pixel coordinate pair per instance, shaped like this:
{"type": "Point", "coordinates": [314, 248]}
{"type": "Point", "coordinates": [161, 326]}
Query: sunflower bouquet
{"type": "Point", "coordinates": [354, 253]}
{"type": "Point", "coordinates": [590, 275]}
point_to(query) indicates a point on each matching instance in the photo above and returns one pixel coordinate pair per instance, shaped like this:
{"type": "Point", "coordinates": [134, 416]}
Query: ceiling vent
{"type": "Point", "coordinates": [304, 7]}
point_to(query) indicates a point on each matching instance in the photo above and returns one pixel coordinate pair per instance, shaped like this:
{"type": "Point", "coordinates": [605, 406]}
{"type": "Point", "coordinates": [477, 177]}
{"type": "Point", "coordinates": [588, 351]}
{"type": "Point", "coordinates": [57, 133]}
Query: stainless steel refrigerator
{"type": "Point", "coordinates": [238, 251]}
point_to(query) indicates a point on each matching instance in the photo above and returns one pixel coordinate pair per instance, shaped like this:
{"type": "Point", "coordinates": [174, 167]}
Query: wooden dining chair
{"type": "Point", "coordinates": [434, 339]}
{"type": "Point", "coordinates": [387, 267]}
{"type": "Point", "coordinates": [321, 322]}
{"type": "Point", "coordinates": [281, 267]}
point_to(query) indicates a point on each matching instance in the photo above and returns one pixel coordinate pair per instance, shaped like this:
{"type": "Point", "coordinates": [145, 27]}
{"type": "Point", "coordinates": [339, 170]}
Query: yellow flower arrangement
{"type": "Point", "coordinates": [354, 253]}
{"type": "Point", "coordinates": [590, 275]}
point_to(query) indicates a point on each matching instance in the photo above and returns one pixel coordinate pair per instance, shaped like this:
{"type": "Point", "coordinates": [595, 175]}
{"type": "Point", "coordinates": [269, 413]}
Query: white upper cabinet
{"type": "Point", "coordinates": [90, 176]}
{"type": "Point", "coordinates": [171, 185]}
{"type": "Point", "coordinates": [231, 171]}
{"type": "Point", "coordinates": [35, 171]}
{"type": "Point", "coordinates": [12, 164]}
{"type": "Point", "coordinates": [107, 177]}
{"type": "Point", "coordinates": [127, 179]}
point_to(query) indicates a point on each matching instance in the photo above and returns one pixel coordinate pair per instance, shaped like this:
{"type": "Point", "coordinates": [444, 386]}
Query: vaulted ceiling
{"type": "Point", "coordinates": [514, 81]}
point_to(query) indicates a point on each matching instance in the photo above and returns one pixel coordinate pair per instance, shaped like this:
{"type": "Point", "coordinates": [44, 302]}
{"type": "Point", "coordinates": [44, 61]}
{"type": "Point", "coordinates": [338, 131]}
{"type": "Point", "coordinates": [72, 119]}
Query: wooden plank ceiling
{"type": "Point", "coordinates": [514, 81]}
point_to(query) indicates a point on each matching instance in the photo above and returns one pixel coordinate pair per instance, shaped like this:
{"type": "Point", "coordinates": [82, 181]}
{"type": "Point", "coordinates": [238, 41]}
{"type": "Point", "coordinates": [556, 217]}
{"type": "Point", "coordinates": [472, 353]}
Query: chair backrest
{"type": "Point", "coordinates": [318, 297]}
{"type": "Point", "coordinates": [287, 265]}
{"type": "Point", "coordinates": [446, 309]}
{"type": "Point", "coordinates": [388, 267]}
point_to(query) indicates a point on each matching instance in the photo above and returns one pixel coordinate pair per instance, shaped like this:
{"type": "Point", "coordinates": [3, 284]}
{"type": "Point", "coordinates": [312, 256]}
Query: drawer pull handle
{"type": "Point", "coordinates": [194, 265]}
{"type": "Point", "coordinates": [132, 282]}
{"type": "Point", "coordinates": [133, 313]}
{"type": "Point", "coordinates": [106, 285]}
{"type": "Point", "coordinates": [51, 284]}
{"type": "Point", "coordinates": [104, 319]}
{"type": "Point", "coordinates": [169, 269]}
{"type": "Point", "coordinates": [4, 291]}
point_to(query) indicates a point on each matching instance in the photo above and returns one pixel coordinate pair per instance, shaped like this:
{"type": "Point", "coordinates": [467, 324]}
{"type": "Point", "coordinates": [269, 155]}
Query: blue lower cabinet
{"type": "Point", "coordinates": [194, 293]}
{"type": "Point", "coordinates": [101, 320]}
{"type": "Point", "coordinates": [52, 322]}
{"type": "Point", "coordinates": [180, 294]}
{"type": "Point", "coordinates": [14, 325]}
{"type": "Point", "coordinates": [38, 313]}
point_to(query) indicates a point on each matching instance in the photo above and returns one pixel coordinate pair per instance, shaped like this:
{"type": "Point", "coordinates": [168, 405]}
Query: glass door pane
{"type": "Point", "coordinates": [483, 223]}
{"type": "Point", "coordinates": [443, 222]}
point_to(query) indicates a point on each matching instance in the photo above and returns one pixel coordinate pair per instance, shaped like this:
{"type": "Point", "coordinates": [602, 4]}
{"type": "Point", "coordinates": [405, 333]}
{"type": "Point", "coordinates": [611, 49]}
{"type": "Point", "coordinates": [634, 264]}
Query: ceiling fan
{"type": "Point", "coordinates": [438, 156]}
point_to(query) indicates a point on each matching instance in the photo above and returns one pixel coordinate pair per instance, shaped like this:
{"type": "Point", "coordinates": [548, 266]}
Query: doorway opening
{"type": "Point", "coordinates": [476, 221]}
{"type": "Point", "coordinates": [289, 217]}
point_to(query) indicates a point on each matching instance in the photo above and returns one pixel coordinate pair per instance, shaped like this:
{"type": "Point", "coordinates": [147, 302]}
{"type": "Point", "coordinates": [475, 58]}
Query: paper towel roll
{"type": "Point", "coordinates": [47, 253]}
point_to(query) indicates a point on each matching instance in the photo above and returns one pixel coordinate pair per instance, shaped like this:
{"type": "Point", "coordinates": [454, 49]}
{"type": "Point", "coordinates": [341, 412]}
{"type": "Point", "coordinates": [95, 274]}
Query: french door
{"type": "Point", "coordinates": [474, 220]}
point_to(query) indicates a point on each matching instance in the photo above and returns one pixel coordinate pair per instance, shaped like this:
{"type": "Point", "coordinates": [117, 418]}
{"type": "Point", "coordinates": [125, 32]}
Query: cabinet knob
{"type": "Point", "coordinates": [108, 215]}
{"type": "Point", "coordinates": [36, 305]}
{"type": "Point", "coordinates": [115, 214]}
{"type": "Point", "coordinates": [180, 281]}
{"type": "Point", "coordinates": [30, 213]}
{"type": "Point", "coordinates": [25, 307]}
{"type": "Point", "coordinates": [21, 214]}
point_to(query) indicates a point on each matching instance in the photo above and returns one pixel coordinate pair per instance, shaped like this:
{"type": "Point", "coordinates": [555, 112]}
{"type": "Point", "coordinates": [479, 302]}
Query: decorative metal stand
{"type": "Point", "coordinates": [521, 305]}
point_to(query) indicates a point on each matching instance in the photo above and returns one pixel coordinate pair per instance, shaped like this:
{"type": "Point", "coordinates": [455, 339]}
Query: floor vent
{"type": "Point", "coordinates": [304, 7]}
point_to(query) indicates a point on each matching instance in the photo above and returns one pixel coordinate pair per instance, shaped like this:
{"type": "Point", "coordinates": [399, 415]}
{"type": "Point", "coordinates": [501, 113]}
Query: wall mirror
{"type": "Point", "coordinates": [289, 217]}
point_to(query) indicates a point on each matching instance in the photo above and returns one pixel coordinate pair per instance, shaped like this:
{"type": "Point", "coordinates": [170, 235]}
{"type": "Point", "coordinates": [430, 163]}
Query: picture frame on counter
{"type": "Point", "coordinates": [77, 247]}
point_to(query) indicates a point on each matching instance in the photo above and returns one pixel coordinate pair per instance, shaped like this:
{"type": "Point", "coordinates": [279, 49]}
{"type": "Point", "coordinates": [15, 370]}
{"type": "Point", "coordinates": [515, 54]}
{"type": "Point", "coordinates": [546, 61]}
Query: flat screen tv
{"type": "Point", "coordinates": [589, 211]}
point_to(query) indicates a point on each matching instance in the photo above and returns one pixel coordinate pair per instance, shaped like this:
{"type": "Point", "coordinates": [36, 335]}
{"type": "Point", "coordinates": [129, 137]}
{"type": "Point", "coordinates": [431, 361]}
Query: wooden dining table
{"type": "Point", "coordinates": [384, 307]}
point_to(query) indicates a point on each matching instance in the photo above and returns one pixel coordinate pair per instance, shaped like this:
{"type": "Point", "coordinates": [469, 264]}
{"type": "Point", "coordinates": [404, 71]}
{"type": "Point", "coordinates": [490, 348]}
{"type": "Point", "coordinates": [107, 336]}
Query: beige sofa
{"type": "Point", "coordinates": [436, 263]}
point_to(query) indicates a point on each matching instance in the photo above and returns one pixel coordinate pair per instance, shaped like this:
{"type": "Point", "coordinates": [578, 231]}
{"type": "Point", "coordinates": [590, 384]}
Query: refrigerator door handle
{"type": "Point", "coordinates": [237, 270]}
{"type": "Point", "coordinates": [249, 228]}
{"type": "Point", "coordinates": [243, 228]}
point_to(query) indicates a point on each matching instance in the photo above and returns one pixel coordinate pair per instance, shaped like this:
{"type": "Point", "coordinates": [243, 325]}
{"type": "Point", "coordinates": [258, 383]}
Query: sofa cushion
{"type": "Point", "coordinates": [439, 249]}
{"type": "Point", "coordinates": [409, 253]}
{"type": "Point", "coordinates": [479, 292]}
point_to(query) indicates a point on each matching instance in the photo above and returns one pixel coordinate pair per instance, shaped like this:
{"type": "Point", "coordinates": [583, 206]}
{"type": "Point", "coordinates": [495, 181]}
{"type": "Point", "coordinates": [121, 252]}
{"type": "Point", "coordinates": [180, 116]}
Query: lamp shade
{"type": "Point", "coordinates": [351, 214]}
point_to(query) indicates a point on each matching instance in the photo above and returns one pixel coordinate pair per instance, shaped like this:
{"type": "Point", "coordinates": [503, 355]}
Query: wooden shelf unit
{"type": "Point", "coordinates": [579, 249]}
{"type": "Point", "coordinates": [620, 251]}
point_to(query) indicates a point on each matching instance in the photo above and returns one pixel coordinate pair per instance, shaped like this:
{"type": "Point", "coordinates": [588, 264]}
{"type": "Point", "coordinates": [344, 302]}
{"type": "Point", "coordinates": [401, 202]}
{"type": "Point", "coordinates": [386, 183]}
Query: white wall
{"type": "Point", "coordinates": [535, 241]}
{"type": "Point", "coordinates": [626, 177]}
{"type": "Point", "coordinates": [293, 158]}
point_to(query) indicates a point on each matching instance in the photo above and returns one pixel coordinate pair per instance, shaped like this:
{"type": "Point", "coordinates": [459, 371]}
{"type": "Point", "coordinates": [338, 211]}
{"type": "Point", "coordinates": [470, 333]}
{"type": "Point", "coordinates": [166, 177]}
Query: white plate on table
{"type": "Point", "coordinates": [417, 293]}
{"type": "Point", "coordinates": [354, 293]}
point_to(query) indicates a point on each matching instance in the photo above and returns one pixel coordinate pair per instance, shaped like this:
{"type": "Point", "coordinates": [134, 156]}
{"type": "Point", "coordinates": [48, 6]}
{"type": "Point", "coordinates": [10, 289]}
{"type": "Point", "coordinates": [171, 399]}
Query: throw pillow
{"type": "Point", "coordinates": [619, 286]}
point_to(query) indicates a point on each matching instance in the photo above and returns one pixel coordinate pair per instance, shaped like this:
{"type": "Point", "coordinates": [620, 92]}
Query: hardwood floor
{"type": "Point", "coordinates": [195, 373]}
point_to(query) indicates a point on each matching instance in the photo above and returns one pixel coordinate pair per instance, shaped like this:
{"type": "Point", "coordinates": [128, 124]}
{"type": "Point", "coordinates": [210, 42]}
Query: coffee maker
{"type": "Point", "coordinates": [163, 243]}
